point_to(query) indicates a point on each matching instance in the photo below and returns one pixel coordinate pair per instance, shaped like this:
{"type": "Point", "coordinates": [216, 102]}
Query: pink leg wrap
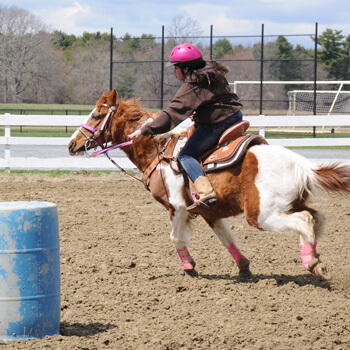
{"type": "Point", "coordinates": [241, 261]}
{"type": "Point", "coordinates": [186, 259]}
{"type": "Point", "coordinates": [308, 252]}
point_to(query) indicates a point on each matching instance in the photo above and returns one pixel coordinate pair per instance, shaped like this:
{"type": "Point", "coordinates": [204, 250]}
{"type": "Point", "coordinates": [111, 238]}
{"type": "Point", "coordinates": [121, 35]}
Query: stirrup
{"type": "Point", "coordinates": [199, 205]}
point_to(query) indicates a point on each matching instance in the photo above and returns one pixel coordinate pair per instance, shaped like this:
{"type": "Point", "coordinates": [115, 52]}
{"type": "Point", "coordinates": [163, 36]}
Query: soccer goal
{"type": "Point", "coordinates": [301, 102]}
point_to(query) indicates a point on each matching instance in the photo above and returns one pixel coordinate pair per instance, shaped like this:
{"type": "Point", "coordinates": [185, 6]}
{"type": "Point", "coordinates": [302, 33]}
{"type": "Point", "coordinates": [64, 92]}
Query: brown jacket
{"type": "Point", "coordinates": [212, 103]}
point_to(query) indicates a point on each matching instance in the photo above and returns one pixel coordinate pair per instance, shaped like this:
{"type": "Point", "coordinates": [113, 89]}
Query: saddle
{"type": "Point", "coordinates": [229, 151]}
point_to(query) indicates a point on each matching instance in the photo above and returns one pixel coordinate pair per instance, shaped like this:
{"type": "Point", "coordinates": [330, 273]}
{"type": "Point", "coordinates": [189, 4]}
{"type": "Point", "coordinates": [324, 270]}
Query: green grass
{"type": "Point", "coordinates": [54, 109]}
{"type": "Point", "coordinates": [40, 131]}
{"type": "Point", "coordinates": [58, 173]}
{"type": "Point", "coordinates": [293, 134]}
{"type": "Point", "coordinates": [43, 106]}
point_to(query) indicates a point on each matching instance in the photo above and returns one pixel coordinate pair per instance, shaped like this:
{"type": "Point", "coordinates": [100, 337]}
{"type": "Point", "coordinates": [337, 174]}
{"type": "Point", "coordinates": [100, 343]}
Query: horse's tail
{"type": "Point", "coordinates": [333, 178]}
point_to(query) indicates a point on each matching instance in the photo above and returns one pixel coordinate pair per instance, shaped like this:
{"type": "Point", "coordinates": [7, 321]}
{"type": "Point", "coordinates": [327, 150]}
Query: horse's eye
{"type": "Point", "coordinates": [94, 117]}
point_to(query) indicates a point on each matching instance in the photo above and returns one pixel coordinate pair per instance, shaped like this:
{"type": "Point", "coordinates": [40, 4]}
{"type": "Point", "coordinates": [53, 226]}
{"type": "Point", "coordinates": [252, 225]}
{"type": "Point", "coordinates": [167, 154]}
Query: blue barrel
{"type": "Point", "coordinates": [30, 303]}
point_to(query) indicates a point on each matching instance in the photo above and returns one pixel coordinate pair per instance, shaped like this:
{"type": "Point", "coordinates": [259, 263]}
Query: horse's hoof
{"type": "Point", "coordinates": [191, 273]}
{"type": "Point", "coordinates": [322, 271]}
{"type": "Point", "coordinates": [243, 264]}
{"type": "Point", "coordinates": [245, 274]}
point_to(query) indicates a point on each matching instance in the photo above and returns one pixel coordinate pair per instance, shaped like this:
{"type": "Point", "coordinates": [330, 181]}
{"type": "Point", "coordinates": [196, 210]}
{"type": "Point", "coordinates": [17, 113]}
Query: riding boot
{"type": "Point", "coordinates": [206, 194]}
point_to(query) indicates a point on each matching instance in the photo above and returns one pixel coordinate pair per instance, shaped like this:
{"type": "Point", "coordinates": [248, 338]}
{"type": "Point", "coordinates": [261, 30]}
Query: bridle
{"type": "Point", "coordinates": [96, 140]}
{"type": "Point", "coordinates": [96, 132]}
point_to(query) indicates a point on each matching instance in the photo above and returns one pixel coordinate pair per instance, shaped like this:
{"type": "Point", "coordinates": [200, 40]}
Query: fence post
{"type": "Point", "coordinates": [261, 68]}
{"type": "Point", "coordinates": [111, 63]}
{"type": "Point", "coordinates": [315, 76]}
{"type": "Point", "coordinates": [211, 42]}
{"type": "Point", "coordinates": [162, 73]}
{"type": "Point", "coordinates": [262, 129]}
{"type": "Point", "coordinates": [7, 146]}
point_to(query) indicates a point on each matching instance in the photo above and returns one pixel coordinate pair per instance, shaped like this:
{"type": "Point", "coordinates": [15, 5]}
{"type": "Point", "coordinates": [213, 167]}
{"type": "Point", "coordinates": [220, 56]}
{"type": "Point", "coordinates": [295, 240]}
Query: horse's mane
{"type": "Point", "coordinates": [131, 110]}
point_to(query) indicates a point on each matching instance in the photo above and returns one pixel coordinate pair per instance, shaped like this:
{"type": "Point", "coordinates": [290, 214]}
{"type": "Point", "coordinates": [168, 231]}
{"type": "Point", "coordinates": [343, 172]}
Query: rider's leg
{"type": "Point", "coordinates": [203, 139]}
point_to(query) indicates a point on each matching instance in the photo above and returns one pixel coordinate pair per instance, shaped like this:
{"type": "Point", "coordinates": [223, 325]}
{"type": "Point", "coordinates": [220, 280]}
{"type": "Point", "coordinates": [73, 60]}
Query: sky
{"type": "Point", "coordinates": [228, 17]}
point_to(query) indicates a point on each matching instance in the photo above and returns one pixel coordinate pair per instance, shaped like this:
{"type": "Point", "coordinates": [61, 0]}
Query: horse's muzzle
{"type": "Point", "coordinates": [74, 152]}
{"type": "Point", "coordinates": [71, 148]}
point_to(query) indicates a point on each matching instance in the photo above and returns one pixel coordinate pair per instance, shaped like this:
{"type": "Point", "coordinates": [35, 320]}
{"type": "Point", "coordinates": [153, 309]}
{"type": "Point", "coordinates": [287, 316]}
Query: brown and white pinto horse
{"type": "Point", "coordinates": [271, 186]}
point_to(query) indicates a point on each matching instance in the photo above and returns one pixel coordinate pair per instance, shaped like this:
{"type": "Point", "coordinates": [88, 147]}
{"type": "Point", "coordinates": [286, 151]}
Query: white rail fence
{"type": "Point", "coordinates": [261, 122]}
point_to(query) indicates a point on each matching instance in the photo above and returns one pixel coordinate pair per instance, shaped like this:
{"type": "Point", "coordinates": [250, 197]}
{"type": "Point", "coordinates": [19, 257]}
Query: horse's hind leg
{"type": "Point", "coordinates": [180, 236]}
{"type": "Point", "coordinates": [309, 256]}
{"type": "Point", "coordinates": [229, 241]}
{"type": "Point", "coordinates": [310, 225]}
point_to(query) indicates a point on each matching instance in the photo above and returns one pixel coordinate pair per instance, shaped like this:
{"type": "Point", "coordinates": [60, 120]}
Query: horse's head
{"type": "Point", "coordinates": [95, 131]}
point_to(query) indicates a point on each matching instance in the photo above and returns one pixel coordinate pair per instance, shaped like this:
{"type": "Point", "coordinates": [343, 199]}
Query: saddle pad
{"type": "Point", "coordinates": [231, 153]}
{"type": "Point", "coordinates": [179, 143]}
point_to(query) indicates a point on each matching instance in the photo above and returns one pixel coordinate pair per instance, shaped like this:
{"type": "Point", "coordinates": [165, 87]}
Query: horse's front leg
{"type": "Point", "coordinates": [180, 236]}
{"type": "Point", "coordinates": [228, 240]}
{"type": "Point", "coordinates": [179, 217]}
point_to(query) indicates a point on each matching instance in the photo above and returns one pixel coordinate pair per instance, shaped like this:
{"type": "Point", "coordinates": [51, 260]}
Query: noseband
{"type": "Point", "coordinates": [95, 139]}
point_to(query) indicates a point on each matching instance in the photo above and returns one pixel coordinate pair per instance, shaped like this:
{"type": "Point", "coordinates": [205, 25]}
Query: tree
{"type": "Point", "coordinates": [221, 48]}
{"type": "Point", "coordinates": [88, 38]}
{"type": "Point", "coordinates": [289, 66]}
{"type": "Point", "coordinates": [334, 53]}
{"type": "Point", "coordinates": [131, 46]}
{"type": "Point", "coordinates": [62, 40]}
{"type": "Point", "coordinates": [26, 57]}
{"type": "Point", "coordinates": [344, 66]}
{"type": "Point", "coordinates": [183, 30]}
{"type": "Point", "coordinates": [87, 74]}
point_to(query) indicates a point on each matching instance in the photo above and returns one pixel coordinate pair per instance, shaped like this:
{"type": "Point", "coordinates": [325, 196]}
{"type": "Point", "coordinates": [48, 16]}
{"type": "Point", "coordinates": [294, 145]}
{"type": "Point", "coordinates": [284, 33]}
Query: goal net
{"type": "Point", "coordinates": [301, 102]}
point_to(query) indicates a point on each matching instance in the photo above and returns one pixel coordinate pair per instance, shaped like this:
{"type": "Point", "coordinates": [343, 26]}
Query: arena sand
{"type": "Point", "coordinates": [123, 288]}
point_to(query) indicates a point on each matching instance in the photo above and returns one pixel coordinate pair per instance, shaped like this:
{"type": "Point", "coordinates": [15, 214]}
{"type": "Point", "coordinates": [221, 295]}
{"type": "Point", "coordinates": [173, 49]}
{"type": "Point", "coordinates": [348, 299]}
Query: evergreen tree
{"type": "Point", "coordinates": [289, 68]}
{"type": "Point", "coordinates": [221, 48]}
{"type": "Point", "coordinates": [62, 40]}
{"type": "Point", "coordinates": [335, 53]}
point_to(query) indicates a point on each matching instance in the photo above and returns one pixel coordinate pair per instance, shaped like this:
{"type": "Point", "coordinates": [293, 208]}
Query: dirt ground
{"type": "Point", "coordinates": [123, 288]}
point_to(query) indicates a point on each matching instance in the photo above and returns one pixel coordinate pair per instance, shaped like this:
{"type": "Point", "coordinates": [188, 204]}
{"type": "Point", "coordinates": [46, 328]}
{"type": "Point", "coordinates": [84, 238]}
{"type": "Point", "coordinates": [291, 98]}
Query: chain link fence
{"type": "Point", "coordinates": [137, 67]}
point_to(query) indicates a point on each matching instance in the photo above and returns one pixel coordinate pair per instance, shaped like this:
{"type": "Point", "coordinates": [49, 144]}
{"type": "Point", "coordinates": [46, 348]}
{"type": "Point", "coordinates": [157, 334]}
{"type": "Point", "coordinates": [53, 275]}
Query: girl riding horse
{"type": "Point", "coordinates": [272, 185]}
{"type": "Point", "coordinates": [205, 97]}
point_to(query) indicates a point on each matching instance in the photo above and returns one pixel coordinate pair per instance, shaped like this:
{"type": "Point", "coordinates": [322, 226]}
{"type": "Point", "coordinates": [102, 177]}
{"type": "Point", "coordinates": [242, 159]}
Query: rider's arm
{"type": "Point", "coordinates": [161, 124]}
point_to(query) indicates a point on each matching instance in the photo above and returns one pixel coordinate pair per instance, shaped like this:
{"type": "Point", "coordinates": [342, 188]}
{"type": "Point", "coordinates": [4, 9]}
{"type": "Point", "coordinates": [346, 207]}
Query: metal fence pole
{"type": "Point", "coordinates": [162, 73]}
{"type": "Point", "coordinates": [315, 75]}
{"type": "Point", "coordinates": [211, 42]}
{"type": "Point", "coordinates": [261, 69]}
{"type": "Point", "coordinates": [111, 63]}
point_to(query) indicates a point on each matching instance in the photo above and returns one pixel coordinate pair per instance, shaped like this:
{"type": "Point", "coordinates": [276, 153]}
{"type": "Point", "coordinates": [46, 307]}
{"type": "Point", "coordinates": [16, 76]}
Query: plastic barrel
{"type": "Point", "coordinates": [30, 303]}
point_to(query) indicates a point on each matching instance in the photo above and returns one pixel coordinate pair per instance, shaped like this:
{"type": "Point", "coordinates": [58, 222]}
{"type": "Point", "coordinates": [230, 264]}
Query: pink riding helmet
{"type": "Point", "coordinates": [186, 55]}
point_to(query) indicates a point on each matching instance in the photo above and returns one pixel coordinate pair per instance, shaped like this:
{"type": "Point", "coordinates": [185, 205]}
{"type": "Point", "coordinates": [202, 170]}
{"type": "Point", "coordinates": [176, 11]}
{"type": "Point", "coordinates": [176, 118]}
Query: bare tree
{"type": "Point", "coordinates": [25, 58]}
{"type": "Point", "coordinates": [184, 29]}
{"type": "Point", "coordinates": [88, 75]}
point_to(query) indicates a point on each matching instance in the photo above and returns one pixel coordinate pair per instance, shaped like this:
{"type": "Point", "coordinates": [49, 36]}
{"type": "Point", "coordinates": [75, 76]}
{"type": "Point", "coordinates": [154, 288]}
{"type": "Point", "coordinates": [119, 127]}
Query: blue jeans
{"type": "Point", "coordinates": [202, 140]}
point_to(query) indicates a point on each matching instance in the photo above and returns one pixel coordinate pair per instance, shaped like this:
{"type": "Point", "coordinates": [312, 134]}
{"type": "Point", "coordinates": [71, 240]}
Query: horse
{"type": "Point", "coordinates": [271, 185]}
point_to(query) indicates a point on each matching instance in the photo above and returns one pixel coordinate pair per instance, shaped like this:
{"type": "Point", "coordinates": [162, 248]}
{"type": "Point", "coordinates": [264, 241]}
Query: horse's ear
{"type": "Point", "coordinates": [101, 100]}
{"type": "Point", "coordinates": [112, 98]}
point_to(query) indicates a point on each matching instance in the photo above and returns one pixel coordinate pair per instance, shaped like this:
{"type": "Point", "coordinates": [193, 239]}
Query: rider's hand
{"type": "Point", "coordinates": [193, 116]}
{"type": "Point", "coordinates": [135, 136]}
